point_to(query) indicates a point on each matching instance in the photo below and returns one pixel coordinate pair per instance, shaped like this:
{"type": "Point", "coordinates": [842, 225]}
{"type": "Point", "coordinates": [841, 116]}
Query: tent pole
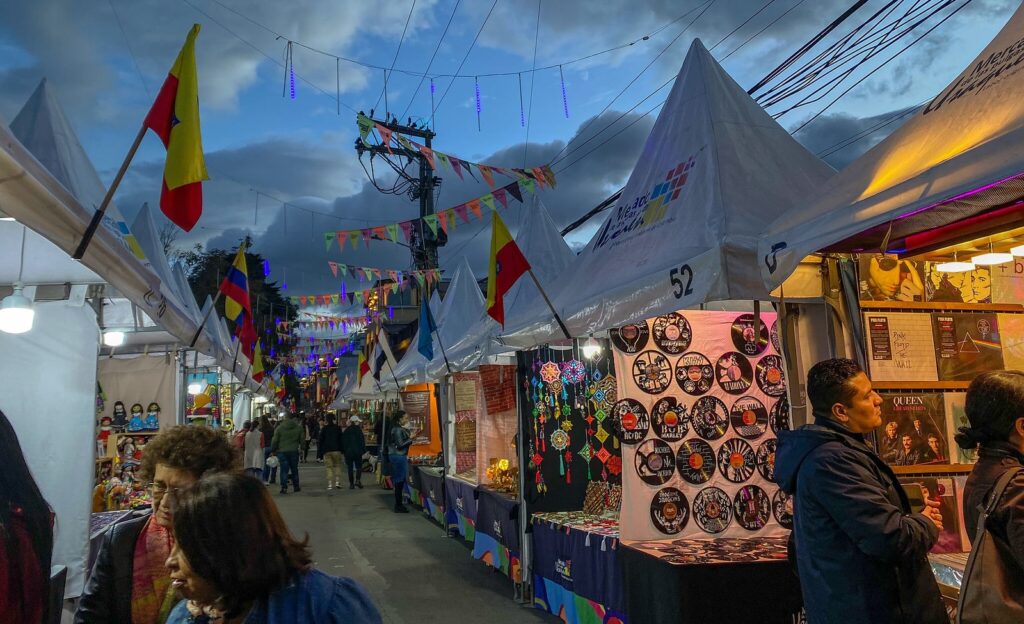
{"type": "Point", "coordinates": [206, 317]}
{"type": "Point", "coordinates": [565, 330]}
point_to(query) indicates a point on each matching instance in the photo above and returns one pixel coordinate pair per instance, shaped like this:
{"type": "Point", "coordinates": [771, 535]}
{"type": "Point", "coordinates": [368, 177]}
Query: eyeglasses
{"type": "Point", "coordinates": [162, 489]}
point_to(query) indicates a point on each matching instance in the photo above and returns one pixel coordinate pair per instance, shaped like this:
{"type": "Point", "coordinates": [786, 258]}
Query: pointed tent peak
{"type": "Point", "coordinates": [541, 242]}
{"type": "Point", "coordinates": [463, 299]}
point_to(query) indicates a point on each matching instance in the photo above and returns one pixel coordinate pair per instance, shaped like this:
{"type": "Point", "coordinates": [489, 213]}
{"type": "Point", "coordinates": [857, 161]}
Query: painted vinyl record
{"type": "Point", "coordinates": [709, 417]}
{"type": "Point", "coordinates": [766, 459]}
{"type": "Point", "coordinates": [696, 461]}
{"type": "Point", "coordinates": [780, 509]}
{"type": "Point", "coordinates": [652, 372]}
{"type": "Point", "coordinates": [694, 373]}
{"type": "Point", "coordinates": [749, 417]}
{"type": "Point", "coordinates": [745, 336]}
{"type": "Point", "coordinates": [633, 420]}
{"type": "Point", "coordinates": [778, 417]}
{"type": "Point", "coordinates": [753, 508]}
{"type": "Point", "coordinates": [672, 333]}
{"type": "Point", "coordinates": [770, 375]}
{"type": "Point", "coordinates": [669, 419]}
{"type": "Point", "coordinates": [736, 460]}
{"type": "Point", "coordinates": [776, 339]}
{"type": "Point", "coordinates": [655, 462]}
{"type": "Point", "coordinates": [630, 338]}
{"type": "Point", "coordinates": [669, 511]}
{"type": "Point", "coordinates": [712, 510]}
{"type": "Point", "coordinates": [734, 372]}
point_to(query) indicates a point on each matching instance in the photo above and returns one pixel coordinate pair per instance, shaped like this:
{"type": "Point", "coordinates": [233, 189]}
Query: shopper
{"type": "Point", "coordinates": [129, 582]}
{"type": "Point", "coordinates": [860, 552]}
{"type": "Point", "coordinates": [354, 445]}
{"type": "Point", "coordinates": [267, 429]}
{"type": "Point", "coordinates": [239, 439]}
{"type": "Point", "coordinates": [384, 453]}
{"type": "Point", "coordinates": [287, 441]}
{"type": "Point", "coordinates": [26, 535]}
{"type": "Point", "coordinates": [328, 448]}
{"type": "Point", "coordinates": [253, 451]}
{"type": "Point", "coordinates": [246, 566]}
{"type": "Point", "coordinates": [399, 441]}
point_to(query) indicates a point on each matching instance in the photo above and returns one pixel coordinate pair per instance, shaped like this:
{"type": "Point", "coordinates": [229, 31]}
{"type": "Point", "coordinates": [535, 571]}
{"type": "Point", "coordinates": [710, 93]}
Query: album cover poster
{"type": "Point", "coordinates": [699, 405]}
{"type": "Point", "coordinates": [885, 277]}
{"type": "Point", "coordinates": [1011, 334]}
{"type": "Point", "coordinates": [964, 287]}
{"type": "Point", "coordinates": [956, 418]}
{"type": "Point", "coordinates": [940, 492]}
{"type": "Point", "coordinates": [900, 346]}
{"type": "Point", "coordinates": [960, 482]}
{"type": "Point", "coordinates": [1008, 282]}
{"type": "Point", "coordinates": [966, 344]}
{"type": "Point", "coordinates": [914, 429]}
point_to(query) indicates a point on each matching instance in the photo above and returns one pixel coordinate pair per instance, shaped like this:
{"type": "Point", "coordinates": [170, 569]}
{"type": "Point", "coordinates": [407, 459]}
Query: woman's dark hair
{"type": "Point", "coordinates": [220, 547]}
{"type": "Point", "coordinates": [828, 383]}
{"type": "Point", "coordinates": [330, 419]}
{"type": "Point", "coordinates": [197, 450]}
{"type": "Point", "coordinates": [995, 400]}
{"type": "Point", "coordinates": [18, 491]}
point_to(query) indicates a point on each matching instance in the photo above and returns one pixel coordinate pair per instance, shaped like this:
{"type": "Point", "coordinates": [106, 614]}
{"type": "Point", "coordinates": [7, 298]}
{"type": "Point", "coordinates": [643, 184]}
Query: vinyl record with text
{"type": "Point", "coordinates": [709, 417]}
{"type": "Point", "coordinates": [655, 462]}
{"type": "Point", "coordinates": [632, 419]}
{"type": "Point", "coordinates": [753, 508]}
{"type": "Point", "coordinates": [734, 373]}
{"type": "Point", "coordinates": [696, 461]}
{"type": "Point", "coordinates": [669, 419]}
{"type": "Point", "coordinates": [669, 511]}
{"type": "Point", "coordinates": [748, 417]}
{"type": "Point", "coordinates": [672, 333]}
{"type": "Point", "coordinates": [746, 337]}
{"type": "Point", "coordinates": [694, 373]}
{"type": "Point", "coordinates": [736, 460]}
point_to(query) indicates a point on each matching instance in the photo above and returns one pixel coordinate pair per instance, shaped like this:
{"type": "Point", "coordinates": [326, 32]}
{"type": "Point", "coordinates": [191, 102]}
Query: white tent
{"type": "Point", "coordinates": [714, 170]}
{"type": "Point", "coordinates": [957, 157]}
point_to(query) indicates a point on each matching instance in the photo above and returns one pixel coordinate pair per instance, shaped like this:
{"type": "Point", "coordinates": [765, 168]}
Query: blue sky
{"type": "Point", "coordinates": [106, 59]}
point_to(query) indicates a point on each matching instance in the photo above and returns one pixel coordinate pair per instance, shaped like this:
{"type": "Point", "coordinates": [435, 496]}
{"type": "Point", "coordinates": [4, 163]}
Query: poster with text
{"type": "Point", "coordinates": [966, 344]}
{"type": "Point", "coordinates": [914, 429]}
{"type": "Point", "coordinates": [1008, 282]}
{"type": "Point", "coordinates": [699, 408]}
{"type": "Point", "coordinates": [417, 408]}
{"type": "Point", "coordinates": [467, 414]}
{"type": "Point", "coordinates": [900, 346]}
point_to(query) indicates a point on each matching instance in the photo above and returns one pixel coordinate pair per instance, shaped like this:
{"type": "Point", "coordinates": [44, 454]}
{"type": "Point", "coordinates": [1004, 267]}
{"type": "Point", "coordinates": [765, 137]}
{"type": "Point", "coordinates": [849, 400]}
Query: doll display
{"type": "Point", "coordinates": [120, 418]}
{"type": "Point", "coordinates": [103, 435]}
{"type": "Point", "coordinates": [152, 422]}
{"type": "Point", "coordinates": [136, 423]}
{"type": "Point", "coordinates": [126, 450]}
{"type": "Point", "coordinates": [140, 445]}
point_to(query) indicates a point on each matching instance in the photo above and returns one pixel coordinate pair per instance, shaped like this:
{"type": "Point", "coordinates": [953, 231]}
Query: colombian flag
{"type": "Point", "coordinates": [175, 118]}
{"type": "Point", "coordinates": [237, 308]}
{"type": "Point", "coordinates": [507, 265]}
{"type": "Point", "coordinates": [362, 368]}
{"type": "Point", "coordinates": [257, 364]}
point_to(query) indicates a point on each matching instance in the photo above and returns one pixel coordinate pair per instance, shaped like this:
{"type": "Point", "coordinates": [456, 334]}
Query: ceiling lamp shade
{"type": "Point", "coordinates": [16, 312]}
{"type": "Point", "coordinates": [955, 266]}
{"type": "Point", "coordinates": [992, 257]}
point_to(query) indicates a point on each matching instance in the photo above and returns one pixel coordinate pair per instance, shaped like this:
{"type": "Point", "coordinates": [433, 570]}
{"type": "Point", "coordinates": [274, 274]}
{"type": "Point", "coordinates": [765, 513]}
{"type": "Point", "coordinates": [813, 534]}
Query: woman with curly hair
{"type": "Point", "coordinates": [129, 584]}
{"type": "Point", "coordinates": [227, 581]}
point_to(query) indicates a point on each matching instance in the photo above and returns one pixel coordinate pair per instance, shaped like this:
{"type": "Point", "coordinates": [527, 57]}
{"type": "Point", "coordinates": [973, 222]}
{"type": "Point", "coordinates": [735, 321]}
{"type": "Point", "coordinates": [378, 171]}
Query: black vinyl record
{"type": "Point", "coordinates": [632, 419]}
{"type": "Point", "coordinates": [776, 339]}
{"type": "Point", "coordinates": [669, 418]}
{"type": "Point", "coordinates": [709, 418]}
{"type": "Point", "coordinates": [736, 460]}
{"type": "Point", "coordinates": [655, 462]}
{"type": "Point", "coordinates": [694, 373]}
{"type": "Point", "coordinates": [696, 461]}
{"type": "Point", "coordinates": [630, 338]}
{"type": "Point", "coordinates": [766, 459]}
{"type": "Point", "coordinates": [780, 502]}
{"type": "Point", "coordinates": [712, 510]}
{"type": "Point", "coordinates": [747, 339]}
{"type": "Point", "coordinates": [770, 375]}
{"type": "Point", "coordinates": [753, 508]}
{"type": "Point", "coordinates": [734, 372]}
{"type": "Point", "coordinates": [749, 417]}
{"type": "Point", "coordinates": [652, 372]}
{"type": "Point", "coordinates": [778, 417]}
{"type": "Point", "coordinates": [672, 333]}
{"type": "Point", "coordinates": [669, 511]}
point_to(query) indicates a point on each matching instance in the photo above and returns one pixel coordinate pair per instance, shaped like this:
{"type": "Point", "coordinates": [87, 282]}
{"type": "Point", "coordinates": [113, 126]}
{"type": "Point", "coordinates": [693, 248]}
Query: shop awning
{"type": "Point", "coordinates": [957, 158]}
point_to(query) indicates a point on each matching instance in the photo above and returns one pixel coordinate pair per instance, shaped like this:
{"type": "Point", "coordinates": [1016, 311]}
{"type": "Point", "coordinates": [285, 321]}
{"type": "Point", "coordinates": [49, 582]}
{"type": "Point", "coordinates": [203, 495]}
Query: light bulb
{"type": "Point", "coordinates": [113, 338]}
{"type": "Point", "coordinates": [16, 312]}
{"type": "Point", "coordinates": [591, 348]}
{"type": "Point", "coordinates": [195, 388]}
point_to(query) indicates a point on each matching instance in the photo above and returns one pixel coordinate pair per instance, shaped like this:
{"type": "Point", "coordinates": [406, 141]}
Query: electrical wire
{"type": "Point", "coordinates": [745, 22]}
{"type": "Point", "coordinates": [766, 27]}
{"type": "Point", "coordinates": [533, 79]}
{"type": "Point", "coordinates": [866, 132]}
{"type": "Point", "coordinates": [390, 70]}
{"type": "Point", "coordinates": [432, 57]}
{"type": "Point", "coordinates": [128, 45]}
{"type": "Point", "coordinates": [461, 64]}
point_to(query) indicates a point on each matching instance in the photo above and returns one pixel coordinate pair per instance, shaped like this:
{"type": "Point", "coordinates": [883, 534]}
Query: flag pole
{"type": "Point", "coordinates": [206, 317]}
{"type": "Point", "coordinates": [98, 215]}
{"type": "Point", "coordinates": [565, 330]}
{"type": "Point", "coordinates": [234, 361]}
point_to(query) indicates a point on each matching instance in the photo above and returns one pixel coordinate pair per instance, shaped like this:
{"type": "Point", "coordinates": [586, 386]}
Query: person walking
{"type": "Point", "coordinates": [287, 441]}
{"type": "Point", "coordinates": [354, 446]}
{"type": "Point", "coordinates": [239, 439]}
{"type": "Point", "coordinates": [861, 553]}
{"type": "Point", "coordinates": [267, 429]}
{"type": "Point", "coordinates": [26, 535]}
{"type": "Point", "coordinates": [252, 451]}
{"type": "Point", "coordinates": [399, 441]}
{"type": "Point", "coordinates": [328, 448]}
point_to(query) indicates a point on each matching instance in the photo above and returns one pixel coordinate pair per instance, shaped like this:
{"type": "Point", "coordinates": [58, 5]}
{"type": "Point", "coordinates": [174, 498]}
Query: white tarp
{"type": "Point", "coordinates": [714, 170]}
{"type": "Point", "coordinates": [966, 139]}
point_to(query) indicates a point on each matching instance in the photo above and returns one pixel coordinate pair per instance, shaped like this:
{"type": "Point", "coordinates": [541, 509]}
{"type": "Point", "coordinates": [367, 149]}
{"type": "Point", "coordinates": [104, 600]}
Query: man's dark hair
{"type": "Point", "coordinates": [828, 383]}
{"type": "Point", "coordinates": [330, 419]}
{"type": "Point", "coordinates": [195, 449]}
{"type": "Point", "coordinates": [995, 400]}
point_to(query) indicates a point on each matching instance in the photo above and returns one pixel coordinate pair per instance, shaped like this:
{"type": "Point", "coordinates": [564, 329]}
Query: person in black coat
{"type": "Point", "coordinates": [353, 444]}
{"type": "Point", "coordinates": [328, 449]}
{"type": "Point", "coordinates": [861, 554]}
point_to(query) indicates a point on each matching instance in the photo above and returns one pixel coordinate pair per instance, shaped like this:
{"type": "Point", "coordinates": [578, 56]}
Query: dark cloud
{"type": "Point", "coordinates": [840, 138]}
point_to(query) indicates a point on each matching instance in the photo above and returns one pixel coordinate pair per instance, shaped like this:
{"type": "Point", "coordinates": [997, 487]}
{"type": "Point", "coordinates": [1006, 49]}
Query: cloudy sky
{"type": "Point", "coordinates": [107, 58]}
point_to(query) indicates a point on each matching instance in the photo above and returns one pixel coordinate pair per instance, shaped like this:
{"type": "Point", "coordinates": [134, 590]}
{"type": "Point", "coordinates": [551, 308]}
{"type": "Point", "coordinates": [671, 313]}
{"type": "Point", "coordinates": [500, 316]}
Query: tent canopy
{"type": "Point", "coordinates": [960, 156]}
{"type": "Point", "coordinates": [684, 231]}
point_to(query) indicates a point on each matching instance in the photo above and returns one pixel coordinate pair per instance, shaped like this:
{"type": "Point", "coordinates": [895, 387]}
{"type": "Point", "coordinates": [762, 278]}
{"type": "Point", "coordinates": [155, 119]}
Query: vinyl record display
{"type": "Point", "coordinates": [672, 333]}
{"type": "Point", "coordinates": [780, 509]}
{"type": "Point", "coordinates": [747, 339]}
{"type": "Point", "coordinates": [632, 419]}
{"type": "Point", "coordinates": [753, 508]}
{"type": "Point", "coordinates": [766, 459]}
{"type": "Point", "coordinates": [736, 460]}
{"type": "Point", "coordinates": [631, 338]}
{"type": "Point", "coordinates": [734, 372]}
{"type": "Point", "coordinates": [655, 462]}
{"type": "Point", "coordinates": [652, 372]}
{"type": "Point", "coordinates": [712, 510]}
{"type": "Point", "coordinates": [669, 418]}
{"type": "Point", "coordinates": [778, 417]}
{"type": "Point", "coordinates": [770, 375]}
{"type": "Point", "coordinates": [776, 339]}
{"type": "Point", "coordinates": [749, 417]}
{"type": "Point", "coordinates": [696, 461]}
{"type": "Point", "coordinates": [669, 511]}
{"type": "Point", "coordinates": [694, 373]}
{"type": "Point", "coordinates": [709, 417]}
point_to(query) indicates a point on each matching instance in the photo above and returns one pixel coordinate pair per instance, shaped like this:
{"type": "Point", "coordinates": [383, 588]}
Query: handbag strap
{"type": "Point", "coordinates": [997, 493]}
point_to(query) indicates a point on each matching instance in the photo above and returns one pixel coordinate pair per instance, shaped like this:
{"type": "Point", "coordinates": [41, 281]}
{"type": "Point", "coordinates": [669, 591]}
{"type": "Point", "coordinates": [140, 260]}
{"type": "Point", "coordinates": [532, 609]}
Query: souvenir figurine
{"type": "Point", "coordinates": [120, 419]}
{"type": "Point", "coordinates": [140, 445]}
{"type": "Point", "coordinates": [136, 424]}
{"type": "Point", "coordinates": [103, 436]}
{"type": "Point", "coordinates": [126, 450]}
{"type": "Point", "coordinates": [152, 417]}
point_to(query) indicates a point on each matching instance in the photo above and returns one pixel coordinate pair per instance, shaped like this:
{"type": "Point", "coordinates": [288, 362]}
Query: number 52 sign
{"type": "Point", "coordinates": [682, 281]}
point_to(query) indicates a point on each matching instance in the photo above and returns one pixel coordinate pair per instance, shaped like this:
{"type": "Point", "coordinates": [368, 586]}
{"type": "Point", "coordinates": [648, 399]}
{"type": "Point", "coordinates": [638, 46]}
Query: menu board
{"type": "Point", "coordinates": [417, 409]}
{"type": "Point", "coordinates": [900, 346]}
{"type": "Point", "coordinates": [465, 394]}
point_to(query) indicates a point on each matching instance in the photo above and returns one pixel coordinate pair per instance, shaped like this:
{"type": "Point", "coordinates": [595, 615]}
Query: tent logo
{"type": "Point", "coordinates": [770, 260]}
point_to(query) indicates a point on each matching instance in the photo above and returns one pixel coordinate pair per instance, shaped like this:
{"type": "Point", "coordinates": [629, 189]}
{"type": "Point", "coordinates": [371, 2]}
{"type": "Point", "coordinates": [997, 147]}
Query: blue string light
{"type": "Point", "coordinates": [291, 70]}
{"type": "Point", "coordinates": [565, 100]}
{"type": "Point", "coordinates": [522, 115]}
{"type": "Point", "coordinates": [476, 84]}
{"type": "Point", "coordinates": [266, 268]}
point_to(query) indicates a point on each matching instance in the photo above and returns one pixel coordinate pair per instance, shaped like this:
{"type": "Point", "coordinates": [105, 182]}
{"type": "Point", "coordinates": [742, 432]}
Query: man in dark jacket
{"type": "Point", "coordinates": [287, 440]}
{"type": "Point", "coordinates": [353, 444]}
{"type": "Point", "coordinates": [328, 448]}
{"type": "Point", "coordinates": [861, 553]}
{"type": "Point", "coordinates": [399, 441]}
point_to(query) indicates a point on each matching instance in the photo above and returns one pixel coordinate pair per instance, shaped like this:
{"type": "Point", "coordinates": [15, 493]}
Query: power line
{"type": "Point", "coordinates": [128, 45]}
{"type": "Point", "coordinates": [431, 63]}
{"type": "Point", "coordinates": [866, 132]}
{"type": "Point", "coordinates": [387, 74]}
{"type": "Point", "coordinates": [471, 46]}
{"type": "Point", "coordinates": [766, 27]}
{"type": "Point", "coordinates": [533, 79]}
{"type": "Point", "coordinates": [745, 22]}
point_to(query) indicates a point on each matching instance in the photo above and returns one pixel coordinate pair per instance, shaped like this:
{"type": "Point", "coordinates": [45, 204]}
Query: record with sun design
{"type": "Point", "coordinates": [668, 416]}
{"type": "Point", "coordinates": [736, 460]}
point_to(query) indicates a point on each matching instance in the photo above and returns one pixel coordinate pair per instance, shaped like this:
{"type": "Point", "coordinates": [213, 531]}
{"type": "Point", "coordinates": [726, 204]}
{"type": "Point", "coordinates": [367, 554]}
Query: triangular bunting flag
{"type": "Point", "coordinates": [351, 298]}
{"type": "Point", "coordinates": [334, 267]}
{"type": "Point", "coordinates": [431, 220]}
{"type": "Point", "coordinates": [367, 235]}
{"type": "Point", "coordinates": [353, 238]}
{"type": "Point", "coordinates": [443, 158]}
{"type": "Point", "coordinates": [463, 212]}
{"type": "Point", "coordinates": [420, 278]}
{"type": "Point", "coordinates": [335, 299]}
{"type": "Point", "coordinates": [488, 200]}
{"type": "Point", "coordinates": [406, 229]}
{"type": "Point", "coordinates": [392, 229]}
{"type": "Point", "coordinates": [394, 288]}
{"type": "Point", "coordinates": [513, 190]}
{"type": "Point", "coordinates": [359, 296]}
{"type": "Point", "coordinates": [385, 136]}
{"type": "Point", "coordinates": [451, 218]}
{"type": "Point", "coordinates": [456, 166]}
{"type": "Point", "coordinates": [343, 268]}
{"type": "Point", "coordinates": [380, 232]}
{"type": "Point", "coordinates": [365, 125]}
{"type": "Point", "coordinates": [429, 153]}
{"type": "Point", "coordinates": [443, 220]}
{"type": "Point", "coordinates": [529, 185]}
{"type": "Point", "coordinates": [341, 235]}
{"type": "Point", "coordinates": [474, 205]}
{"type": "Point", "coordinates": [538, 175]}
{"type": "Point", "coordinates": [295, 301]}
{"type": "Point", "coordinates": [502, 197]}
{"type": "Point", "coordinates": [485, 171]}
{"type": "Point", "coordinates": [328, 237]}
{"type": "Point", "coordinates": [550, 175]}
{"type": "Point", "coordinates": [302, 300]}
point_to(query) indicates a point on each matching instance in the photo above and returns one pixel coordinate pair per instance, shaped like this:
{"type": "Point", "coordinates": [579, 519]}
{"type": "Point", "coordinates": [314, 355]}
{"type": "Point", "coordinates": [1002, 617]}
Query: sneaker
{"type": "Point", "coordinates": [283, 492]}
{"type": "Point", "coordinates": [351, 486]}
{"type": "Point", "coordinates": [330, 486]}
{"type": "Point", "coordinates": [402, 509]}
{"type": "Point", "coordinates": [337, 484]}
{"type": "Point", "coordinates": [359, 485]}
{"type": "Point", "coordinates": [297, 490]}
